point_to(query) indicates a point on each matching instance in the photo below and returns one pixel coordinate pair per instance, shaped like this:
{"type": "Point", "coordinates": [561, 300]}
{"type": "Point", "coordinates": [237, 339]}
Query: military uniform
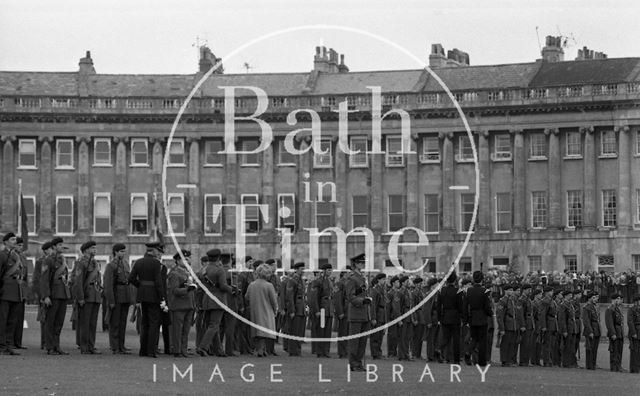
{"type": "Point", "coordinates": [571, 330]}
{"type": "Point", "coordinates": [379, 315]}
{"type": "Point", "coordinates": [477, 310]}
{"type": "Point", "coordinates": [614, 319]}
{"type": "Point", "coordinates": [118, 297]}
{"type": "Point", "coordinates": [180, 299]}
{"type": "Point", "coordinates": [507, 317]}
{"type": "Point", "coordinates": [405, 326]}
{"type": "Point", "coordinates": [234, 302]}
{"type": "Point", "coordinates": [536, 348]}
{"type": "Point", "coordinates": [24, 292]}
{"type": "Point", "coordinates": [633, 322]}
{"type": "Point", "coordinates": [10, 296]}
{"type": "Point", "coordinates": [527, 341]}
{"type": "Point", "coordinates": [394, 309]}
{"type": "Point", "coordinates": [54, 285]}
{"type": "Point", "coordinates": [340, 311]}
{"type": "Point", "coordinates": [430, 315]}
{"type": "Point", "coordinates": [549, 318]}
{"type": "Point", "coordinates": [450, 315]}
{"type": "Point", "coordinates": [591, 322]}
{"type": "Point", "coordinates": [418, 320]}
{"type": "Point", "coordinates": [295, 310]}
{"type": "Point", "coordinates": [320, 299]}
{"type": "Point", "coordinates": [88, 295]}
{"type": "Point", "coordinates": [358, 314]}
{"type": "Point", "coordinates": [35, 289]}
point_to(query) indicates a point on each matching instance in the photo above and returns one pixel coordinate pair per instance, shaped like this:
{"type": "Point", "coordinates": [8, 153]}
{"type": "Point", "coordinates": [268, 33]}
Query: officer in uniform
{"type": "Point", "coordinates": [118, 297]}
{"type": "Point", "coordinates": [526, 335]}
{"type": "Point", "coordinates": [418, 319]}
{"type": "Point", "coordinates": [319, 300]}
{"type": "Point", "coordinates": [358, 303]}
{"type": "Point", "coordinates": [215, 278]}
{"type": "Point", "coordinates": [274, 279]}
{"type": "Point", "coordinates": [228, 325]}
{"type": "Point", "coordinates": [180, 288]}
{"type": "Point", "coordinates": [591, 322]}
{"type": "Point", "coordinates": [450, 315]}
{"type": "Point", "coordinates": [340, 311]}
{"type": "Point", "coordinates": [466, 350]}
{"type": "Point", "coordinates": [87, 292]}
{"type": "Point", "coordinates": [430, 313]}
{"type": "Point", "coordinates": [245, 340]}
{"type": "Point", "coordinates": [54, 290]}
{"type": "Point", "coordinates": [10, 292]}
{"type": "Point", "coordinates": [477, 310]}
{"type": "Point", "coordinates": [198, 296]}
{"type": "Point", "coordinates": [633, 322]}
{"type": "Point", "coordinates": [570, 331]}
{"type": "Point", "coordinates": [295, 308]}
{"type": "Point", "coordinates": [35, 288]}
{"type": "Point", "coordinates": [394, 310]}
{"type": "Point", "coordinates": [507, 316]}
{"type": "Point", "coordinates": [613, 320]}
{"type": "Point", "coordinates": [147, 278]}
{"type": "Point", "coordinates": [577, 295]}
{"type": "Point", "coordinates": [536, 348]}
{"type": "Point", "coordinates": [378, 314]}
{"type": "Point", "coordinates": [24, 292]}
{"type": "Point", "coordinates": [405, 326]}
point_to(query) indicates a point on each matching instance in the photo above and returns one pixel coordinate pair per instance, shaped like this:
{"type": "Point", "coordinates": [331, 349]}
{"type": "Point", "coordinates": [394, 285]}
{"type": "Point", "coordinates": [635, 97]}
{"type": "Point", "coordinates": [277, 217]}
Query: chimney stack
{"type": "Point", "coordinates": [208, 60]}
{"type": "Point", "coordinates": [86, 64]}
{"type": "Point", "coordinates": [552, 51]}
{"type": "Point", "coordinates": [327, 61]}
{"type": "Point", "coordinates": [587, 54]}
{"type": "Point", "coordinates": [454, 58]}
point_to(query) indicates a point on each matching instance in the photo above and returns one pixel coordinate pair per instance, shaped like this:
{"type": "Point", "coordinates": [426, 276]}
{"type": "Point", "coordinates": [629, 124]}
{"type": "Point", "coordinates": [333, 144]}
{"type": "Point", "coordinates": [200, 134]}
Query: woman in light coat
{"type": "Point", "coordinates": [263, 302]}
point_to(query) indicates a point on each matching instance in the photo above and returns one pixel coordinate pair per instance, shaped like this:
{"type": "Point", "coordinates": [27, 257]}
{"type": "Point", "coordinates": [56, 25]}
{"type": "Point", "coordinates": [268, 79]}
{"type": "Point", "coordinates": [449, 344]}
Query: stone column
{"type": "Point", "coordinates": [231, 194]}
{"type": "Point", "coordinates": [554, 172]}
{"type": "Point", "coordinates": [484, 167]}
{"type": "Point", "coordinates": [85, 215]}
{"type": "Point", "coordinates": [448, 180]}
{"type": "Point", "coordinates": [194, 229]}
{"type": "Point", "coordinates": [519, 177]}
{"type": "Point", "coordinates": [590, 179]}
{"type": "Point", "coordinates": [340, 176]}
{"type": "Point", "coordinates": [304, 179]}
{"type": "Point", "coordinates": [268, 234]}
{"type": "Point", "coordinates": [46, 198]}
{"type": "Point", "coordinates": [412, 185]}
{"type": "Point", "coordinates": [378, 212]}
{"type": "Point", "coordinates": [9, 186]}
{"type": "Point", "coordinates": [157, 163]}
{"type": "Point", "coordinates": [624, 179]}
{"type": "Point", "coordinates": [121, 198]}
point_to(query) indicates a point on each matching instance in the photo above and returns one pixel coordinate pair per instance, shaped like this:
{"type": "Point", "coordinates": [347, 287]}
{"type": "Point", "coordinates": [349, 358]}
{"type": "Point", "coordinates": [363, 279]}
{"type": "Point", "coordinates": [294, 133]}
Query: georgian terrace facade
{"type": "Point", "coordinates": [558, 150]}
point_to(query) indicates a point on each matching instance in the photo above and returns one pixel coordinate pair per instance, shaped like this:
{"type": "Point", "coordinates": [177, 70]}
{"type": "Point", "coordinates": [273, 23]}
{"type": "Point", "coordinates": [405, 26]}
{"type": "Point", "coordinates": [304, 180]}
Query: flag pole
{"type": "Point", "coordinates": [19, 206]}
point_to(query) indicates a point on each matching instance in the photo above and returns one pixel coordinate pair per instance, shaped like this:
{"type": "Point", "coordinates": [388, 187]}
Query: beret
{"type": "Point", "coordinates": [118, 247]}
{"type": "Point", "coordinates": [465, 281]}
{"type": "Point", "coordinates": [593, 293]}
{"type": "Point", "coordinates": [214, 253]}
{"type": "Point", "coordinates": [403, 278]}
{"type": "Point", "coordinates": [248, 258]}
{"type": "Point", "coordinates": [270, 261]}
{"type": "Point", "coordinates": [155, 245]}
{"type": "Point", "coordinates": [547, 289]}
{"type": "Point", "coordinates": [204, 259]}
{"type": "Point", "coordinates": [381, 276]}
{"type": "Point", "coordinates": [394, 278]}
{"type": "Point", "coordinates": [56, 241]}
{"type": "Point", "coordinates": [478, 276]}
{"type": "Point", "coordinates": [508, 286]}
{"type": "Point", "coordinates": [8, 236]}
{"type": "Point", "coordinates": [257, 263]}
{"type": "Point", "coordinates": [298, 265]}
{"type": "Point", "coordinates": [417, 280]}
{"type": "Point", "coordinates": [525, 286]}
{"type": "Point", "coordinates": [615, 295]}
{"type": "Point", "coordinates": [556, 292]}
{"type": "Point", "coordinates": [536, 292]}
{"type": "Point", "coordinates": [566, 292]}
{"type": "Point", "coordinates": [326, 266]}
{"type": "Point", "coordinates": [46, 245]}
{"type": "Point", "coordinates": [577, 291]}
{"type": "Point", "coordinates": [225, 258]}
{"type": "Point", "coordinates": [19, 240]}
{"type": "Point", "coordinates": [87, 245]}
{"type": "Point", "coordinates": [185, 253]}
{"type": "Point", "coordinates": [358, 259]}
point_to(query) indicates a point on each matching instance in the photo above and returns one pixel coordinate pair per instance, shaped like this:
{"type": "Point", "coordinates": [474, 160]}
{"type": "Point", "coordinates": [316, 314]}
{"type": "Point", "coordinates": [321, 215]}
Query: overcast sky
{"type": "Point", "coordinates": [148, 37]}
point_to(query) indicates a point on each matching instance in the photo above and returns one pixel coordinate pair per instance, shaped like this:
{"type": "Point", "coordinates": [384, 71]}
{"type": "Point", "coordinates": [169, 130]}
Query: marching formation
{"type": "Point", "coordinates": [540, 325]}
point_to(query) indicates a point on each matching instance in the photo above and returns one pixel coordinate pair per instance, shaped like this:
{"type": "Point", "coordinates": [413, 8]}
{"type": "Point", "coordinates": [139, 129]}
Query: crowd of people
{"type": "Point", "coordinates": [535, 319]}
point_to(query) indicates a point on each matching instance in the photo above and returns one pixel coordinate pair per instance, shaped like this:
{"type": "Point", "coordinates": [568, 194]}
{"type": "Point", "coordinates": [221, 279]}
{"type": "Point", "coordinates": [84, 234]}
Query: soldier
{"type": "Point", "coordinates": [450, 315]}
{"type": "Point", "coordinates": [118, 297]}
{"type": "Point", "coordinates": [313, 322]}
{"type": "Point", "coordinates": [10, 292]}
{"type": "Point", "coordinates": [491, 321]}
{"type": "Point", "coordinates": [54, 290]}
{"type": "Point", "coordinates": [340, 311]}
{"type": "Point", "coordinates": [477, 310]}
{"type": "Point", "coordinates": [35, 288]}
{"type": "Point", "coordinates": [613, 319]}
{"type": "Point", "coordinates": [405, 326]}
{"type": "Point", "coordinates": [571, 330]}
{"type": "Point", "coordinates": [508, 325]}
{"type": "Point", "coordinates": [465, 335]}
{"type": "Point", "coordinates": [430, 313]}
{"type": "Point", "coordinates": [274, 279]}
{"type": "Point", "coordinates": [245, 340]}
{"type": "Point", "coordinates": [577, 296]}
{"type": "Point", "coordinates": [378, 314]}
{"type": "Point", "coordinates": [536, 348]}
{"type": "Point", "coordinates": [295, 308]}
{"type": "Point", "coordinates": [394, 312]}
{"type": "Point", "coordinates": [358, 303]}
{"type": "Point", "coordinates": [320, 305]}
{"type": "Point", "coordinates": [147, 278]}
{"type": "Point", "coordinates": [633, 322]}
{"type": "Point", "coordinates": [215, 278]}
{"type": "Point", "coordinates": [24, 292]}
{"type": "Point", "coordinates": [87, 292]}
{"type": "Point", "coordinates": [591, 322]}
{"type": "Point", "coordinates": [233, 303]}
{"type": "Point", "coordinates": [526, 335]}
{"type": "Point", "coordinates": [419, 323]}
{"type": "Point", "coordinates": [282, 317]}
{"type": "Point", "coordinates": [180, 288]}
{"type": "Point", "coordinates": [558, 345]}
{"type": "Point", "coordinates": [165, 316]}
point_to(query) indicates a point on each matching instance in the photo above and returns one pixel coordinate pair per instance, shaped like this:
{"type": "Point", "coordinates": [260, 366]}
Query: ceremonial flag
{"type": "Point", "coordinates": [23, 229]}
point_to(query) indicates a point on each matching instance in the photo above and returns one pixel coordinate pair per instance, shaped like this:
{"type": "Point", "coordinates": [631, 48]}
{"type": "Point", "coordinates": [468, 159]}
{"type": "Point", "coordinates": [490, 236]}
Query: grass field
{"type": "Point", "coordinates": [35, 373]}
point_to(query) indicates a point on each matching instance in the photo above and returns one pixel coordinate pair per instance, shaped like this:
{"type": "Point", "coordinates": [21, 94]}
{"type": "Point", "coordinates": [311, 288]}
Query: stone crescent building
{"type": "Point", "coordinates": [557, 141]}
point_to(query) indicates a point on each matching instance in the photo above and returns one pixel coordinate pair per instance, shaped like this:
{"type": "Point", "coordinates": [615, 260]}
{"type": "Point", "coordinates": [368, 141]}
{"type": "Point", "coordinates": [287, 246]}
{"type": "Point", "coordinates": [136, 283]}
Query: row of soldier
{"type": "Point", "coordinates": [545, 325]}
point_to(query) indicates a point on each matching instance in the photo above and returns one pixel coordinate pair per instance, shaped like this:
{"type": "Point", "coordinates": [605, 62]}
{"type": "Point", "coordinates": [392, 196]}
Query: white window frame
{"type": "Point", "coordinates": [538, 135]}
{"type": "Point", "coordinates": [257, 199]}
{"type": "Point", "coordinates": [95, 198]}
{"type": "Point", "coordinates": [615, 144]}
{"type": "Point", "coordinates": [353, 213]}
{"type": "Point", "coordinates": [317, 157]}
{"type": "Point", "coordinates": [32, 231]}
{"type": "Point", "coordinates": [58, 199]}
{"type": "Point", "coordinates": [497, 212]}
{"type": "Point", "coordinates": [426, 230]}
{"type": "Point", "coordinates": [546, 210]}
{"type": "Point", "coordinates": [245, 157]}
{"type": "Point", "coordinates": [132, 154]}
{"type": "Point", "coordinates": [635, 262]}
{"type": "Point", "coordinates": [611, 267]}
{"type": "Point", "coordinates": [463, 229]}
{"type": "Point", "coordinates": [501, 155]}
{"type": "Point", "coordinates": [171, 196]}
{"type": "Point", "coordinates": [389, 213]}
{"type": "Point", "coordinates": [637, 207]}
{"type": "Point", "coordinates": [430, 156]}
{"type": "Point", "coordinates": [58, 142]}
{"type": "Point", "coordinates": [208, 211]}
{"type": "Point", "coordinates": [603, 209]}
{"type": "Point", "coordinates": [282, 149]}
{"type": "Point", "coordinates": [146, 204]}
{"type": "Point", "coordinates": [538, 259]}
{"type": "Point", "coordinates": [180, 142]}
{"type": "Point", "coordinates": [569, 208]}
{"type": "Point", "coordinates": [391, 158]}
{"type": "Point", "coordinates": [461, 156]}
{"type": "Point", "coordinates": [35, 154]}
{"type": "Point", "coordinates": [325, 200]}
{"type": "Point", "coordinates": [568, 257]}
{"type": "Point", "coordinates": [579, 144]}
{"type": "Point", "coordinates": [638, 142]}
{"type": "Point", "coordinates": [95, 160]}
{"type": "Point", "coordinates": [213, 164]}
{"type": "Point", "coordinates": [355, 160]}
{"type": "Point", "coordinates": [290, 222]}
